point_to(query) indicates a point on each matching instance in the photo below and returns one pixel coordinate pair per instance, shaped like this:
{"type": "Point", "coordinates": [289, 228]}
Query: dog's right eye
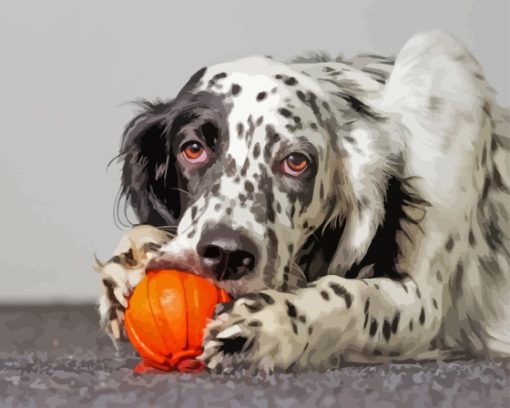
{"type": "Point", "coordinates": [193, 152]}
{"type": "Point", "coordinates": [294, 164]}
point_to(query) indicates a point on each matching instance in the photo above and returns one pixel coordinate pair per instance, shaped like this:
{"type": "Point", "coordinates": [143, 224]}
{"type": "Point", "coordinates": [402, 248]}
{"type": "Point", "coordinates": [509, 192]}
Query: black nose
{"type": "Point", "coordinates": [227, 254]}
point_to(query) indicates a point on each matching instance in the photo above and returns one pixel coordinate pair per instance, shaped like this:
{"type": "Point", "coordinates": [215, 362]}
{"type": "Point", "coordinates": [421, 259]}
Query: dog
{"type": "Point", "coordinates": [356, 210]}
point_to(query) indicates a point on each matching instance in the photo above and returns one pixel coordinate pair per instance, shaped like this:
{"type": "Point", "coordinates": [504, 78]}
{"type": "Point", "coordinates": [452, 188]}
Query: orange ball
{"type": "Point", "coordinates": [166, 317]}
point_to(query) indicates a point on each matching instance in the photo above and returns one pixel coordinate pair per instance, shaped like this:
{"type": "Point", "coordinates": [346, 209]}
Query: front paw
{"type": "Point", "coordinates": [264, 330]}
{"type": "Point", "coordinates": [121, 273]}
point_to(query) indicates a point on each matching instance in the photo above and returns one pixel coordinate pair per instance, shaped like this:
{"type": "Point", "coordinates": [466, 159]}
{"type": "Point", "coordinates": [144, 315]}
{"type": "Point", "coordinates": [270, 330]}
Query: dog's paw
{"type": "Point", "coordinates": [264, 331]}
{"type": "Point", "coordinates": [121, 273]}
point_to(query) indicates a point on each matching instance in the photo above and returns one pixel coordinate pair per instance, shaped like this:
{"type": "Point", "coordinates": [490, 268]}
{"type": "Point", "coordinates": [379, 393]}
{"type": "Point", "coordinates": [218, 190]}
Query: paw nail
{"type": "Point", "coordinates": [211, 344]}
{"type": "Point", "coordinates": [115, 329]}
{"type": "Point", "coordinates": [229, 332]}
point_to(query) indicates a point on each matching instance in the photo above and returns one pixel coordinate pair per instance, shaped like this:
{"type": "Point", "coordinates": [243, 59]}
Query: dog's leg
{"type": "Point", "coordinates": [337, 318]}
{"type": "Point", "coordinates": [123, 272]}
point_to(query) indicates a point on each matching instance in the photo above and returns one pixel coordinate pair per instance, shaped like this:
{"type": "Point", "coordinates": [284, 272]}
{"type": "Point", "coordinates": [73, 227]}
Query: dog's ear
{"type": "Point", "coordinates": [435, 92]}
{"type": "Point", "coordinates": [150, 181]}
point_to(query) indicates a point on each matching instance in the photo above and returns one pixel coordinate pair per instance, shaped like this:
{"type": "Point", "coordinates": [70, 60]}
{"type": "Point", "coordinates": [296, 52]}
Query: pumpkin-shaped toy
{"type": "Point", "coordinates": [166, 317]}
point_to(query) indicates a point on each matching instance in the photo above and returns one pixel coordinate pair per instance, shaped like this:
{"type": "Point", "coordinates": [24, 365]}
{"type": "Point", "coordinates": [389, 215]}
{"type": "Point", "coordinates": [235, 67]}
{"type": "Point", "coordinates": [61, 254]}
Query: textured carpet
{"type": "Point", "coordinates": [55, 356]}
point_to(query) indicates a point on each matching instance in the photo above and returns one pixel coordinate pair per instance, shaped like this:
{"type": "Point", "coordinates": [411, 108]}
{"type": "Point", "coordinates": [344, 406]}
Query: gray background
{"type": "Point", "coordinates": [66, 68]}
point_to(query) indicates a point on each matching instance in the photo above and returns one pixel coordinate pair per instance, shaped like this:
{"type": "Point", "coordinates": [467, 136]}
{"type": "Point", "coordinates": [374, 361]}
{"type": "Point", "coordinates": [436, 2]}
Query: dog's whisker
{"type": "Point", "coordinates": [297, 271]}
{"type": "Point", "coordinates": [181, 191]}
{"type": "Point", "coordinates": [169, 230]}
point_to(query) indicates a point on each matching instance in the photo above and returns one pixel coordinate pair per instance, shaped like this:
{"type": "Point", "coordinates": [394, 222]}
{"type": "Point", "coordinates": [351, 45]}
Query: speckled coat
{"type": "Point", "coordinates": [393, 244]}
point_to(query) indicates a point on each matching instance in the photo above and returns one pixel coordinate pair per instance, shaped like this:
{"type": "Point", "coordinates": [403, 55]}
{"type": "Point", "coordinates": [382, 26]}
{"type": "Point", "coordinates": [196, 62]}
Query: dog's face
{"type": "Point", "coordinates": [245, 164]}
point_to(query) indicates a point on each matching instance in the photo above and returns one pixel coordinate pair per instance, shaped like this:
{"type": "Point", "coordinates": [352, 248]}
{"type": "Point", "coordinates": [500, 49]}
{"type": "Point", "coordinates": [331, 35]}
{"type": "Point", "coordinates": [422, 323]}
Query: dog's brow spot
{"type": "Point", "coordinates": [494, 145]}
{"type": "Point", "coordinates": [300, 94]}
{"type": "Point", "coordinates": [285, 112]}
{"type": "Point", "coordinates": [498, 181]}
{"type": "Point", "coordinates": [411, 325]}
{"type": "Point", "coordinates": [244, 169]}
{"type": "Point", "coordinates": [450, 244]}
{"type": "Point", "coordinates": [310, 330]}
{"type": "Point", "coordinates": [434, 303]}
{"type": "Point", "coordinates": [313, 125]}
{"type": "Point", "coordinates": [228, 210]}
{"type": "Point", "coordinates": [291, 309]}
{"type": "Point", "coordinates": [285, 286]}
{"type": "Point", "coordinates": [236, 89]}
{"type": "Point", "coordinates": [261, 96]}
{"type": "Point", "coordinates": [290, 81]}
{"type": "Point", "coordinates": [248, 186]}
{"type": "Point", "coordinates": [471, 238]}
{"type": "Point", "coordinates": [324, 295]}
{"type": "Point", "coordinates": [256, 150]}
{"type": "Point", "coordinates": [253, 307]}
{"type": "Point", "coordinates": [267, 298]}
{"type": "Point", "coordinates": [366, 321]}
{"type": "Point", "coordinates": [386, 330]}
{"type": "Point", "coordinates": [217, 206]}
{"type": "Point", "coordinates": [305, 224]}
{"type": "Point", "coordinates": [418, 292]}
{"type": "Point", "coordinates": [342, 292]}
{"type": "Point", "coordinates": [367, 305]}
{"type": "Point", "coordinates": [237, 179]}
{"type": "Point", "coordinates": [255, 323]}
{"type": "Point", "coordinates": [215, 189]}
{"type": "Point", "coordinates": [395, 321]}
{"type": "Point", "coordinates": [486, 187]}
{"type": "Point", "coordinates": [349, 139]}
{"type": "Point", "coordinates": [278, 76]}
{"type": "Point", "coordinates": [240, 129]}
{"type": "Point", "coordinates": [278, 208]}
{"type": "Point", "coordinates": [294, 328]}
{"type": "Point", "coordinates": [373, 327]}
{"type": "Point", "coordinates": [193, 212]}
{"type": "Point", "coordinates": [220, 75]}
{"type": "Point", "coordinates": [484, 155]}
{"type": "Point", "coordinates": [422, 316]}
{"type": "Point", "coordinates": [439, 277]}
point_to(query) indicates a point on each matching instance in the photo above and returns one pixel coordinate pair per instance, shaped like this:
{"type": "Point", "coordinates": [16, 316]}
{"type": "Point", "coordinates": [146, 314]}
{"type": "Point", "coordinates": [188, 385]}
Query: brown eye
{"type": "Point", "coordinates": [194, 152]}
{"type": "Point", "coordinates": [294, 164]}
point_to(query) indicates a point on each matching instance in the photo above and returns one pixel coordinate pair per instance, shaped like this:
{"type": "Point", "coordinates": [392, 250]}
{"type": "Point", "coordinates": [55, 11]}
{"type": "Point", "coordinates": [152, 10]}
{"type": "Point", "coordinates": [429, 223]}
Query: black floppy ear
{"type": "Point", "coordinates": [150, 181]}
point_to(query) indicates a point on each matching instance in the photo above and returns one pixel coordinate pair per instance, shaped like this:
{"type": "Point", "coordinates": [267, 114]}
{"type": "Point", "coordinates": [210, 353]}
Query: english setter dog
{"type": "Point", "coordinates": [357, 210]}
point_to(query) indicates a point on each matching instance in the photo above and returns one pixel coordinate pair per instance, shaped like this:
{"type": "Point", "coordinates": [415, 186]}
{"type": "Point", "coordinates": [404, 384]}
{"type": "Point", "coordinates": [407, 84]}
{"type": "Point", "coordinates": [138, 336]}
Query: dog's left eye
{"type": "Point", "coordinates": [194, 152]}
{"type": "Point", "coordinates": [294, 164]}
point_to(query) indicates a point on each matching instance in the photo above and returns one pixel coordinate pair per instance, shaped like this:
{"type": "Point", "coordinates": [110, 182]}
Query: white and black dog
{"type": "Point", "coordinates": [356, 210]}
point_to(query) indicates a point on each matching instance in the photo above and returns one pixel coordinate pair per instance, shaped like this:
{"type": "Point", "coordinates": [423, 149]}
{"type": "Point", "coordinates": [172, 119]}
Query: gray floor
{"type": "Point", "coordinates": [55, 356]}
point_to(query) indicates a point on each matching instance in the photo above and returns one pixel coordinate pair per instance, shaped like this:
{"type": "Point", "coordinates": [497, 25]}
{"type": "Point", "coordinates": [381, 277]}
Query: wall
{"type": "Point", "coordinates": [67, 68]}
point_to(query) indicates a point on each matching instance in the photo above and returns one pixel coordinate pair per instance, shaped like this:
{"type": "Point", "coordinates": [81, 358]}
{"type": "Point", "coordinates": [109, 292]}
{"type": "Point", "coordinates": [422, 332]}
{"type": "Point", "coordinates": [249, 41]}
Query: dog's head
{"type": "Point", "coordinates": [249, 164]}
